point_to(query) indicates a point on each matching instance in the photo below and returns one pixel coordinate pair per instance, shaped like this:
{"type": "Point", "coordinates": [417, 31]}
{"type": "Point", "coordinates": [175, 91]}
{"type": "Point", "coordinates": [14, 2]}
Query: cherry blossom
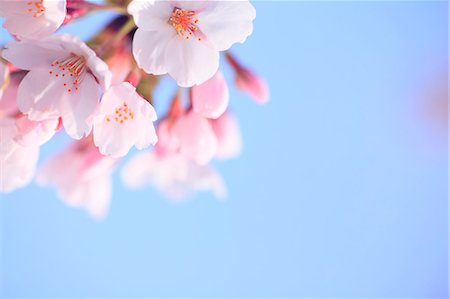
{"type": "Point", "coordinates": [32, 19]}
{"type": "Point", "coordinates": [173, 175]}
{"type": "Point", "coordinates": [183, 38]}
{"type": "Point", "coordinates": [104, 95]}
{"type": "Point", "coordinates": [197, 140]}
{"type": "Point", "coordinates": [168, 141]}
{"type": "Point", "coordinates": [248, 81]}
{"type": "Point", "coordinates": [17, 163]}
{"type": "Point", "coordinates": [228, 136]}
{"type": "Point", "coordinates": [124, 119]}
{"type": "Point", "coordinates": [253, 85]}
{"type": "Point", "coordinates": [65, 79]}
{"type": "Point", "coordinates": [210, 99]}
{"type": "Point", "coordinates": [81, 176]}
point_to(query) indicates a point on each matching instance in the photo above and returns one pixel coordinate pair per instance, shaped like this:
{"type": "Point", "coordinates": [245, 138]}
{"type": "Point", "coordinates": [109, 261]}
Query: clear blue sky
{"type": "Point", "coordinates": [341, 189]}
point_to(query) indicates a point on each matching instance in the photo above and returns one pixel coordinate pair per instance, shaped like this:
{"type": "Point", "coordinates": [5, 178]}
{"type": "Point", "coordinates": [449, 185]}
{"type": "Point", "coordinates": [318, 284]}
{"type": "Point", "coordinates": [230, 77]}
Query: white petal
{"type": "Point", "coordinates": [79, 107]}
{"type": "Point", "coordinates": [39, 95]}
{"type": "Point", "coordinates": [17, 163]}
{"type": "Point", "coordinates": [149, 48]}
{"type": "Point", "coordinates": [150, 15]}
{"type": "Point", "coordinates": [25, 24]}
{"type": "Point", "coordinates": [191, 62]}
{"type": "Point", "coordinates": [33, 133]}
{"type": "Point", "coordinates": [227, 22]}
{"type": "Point", "coordinates": [28, 54]}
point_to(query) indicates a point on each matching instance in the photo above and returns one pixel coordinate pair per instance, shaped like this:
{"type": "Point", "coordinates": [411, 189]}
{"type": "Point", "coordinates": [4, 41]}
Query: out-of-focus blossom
{"type": "Point", "coordinates": [81, 176]}
{"type": "Point", "coordinates": [197, 140]}
{"type": "Point", "coordinates": [124, 119]}
{"type": "Point", "coordinates": [120, 64]}
{"type": "Point", "coordinates": [210, 99]}
{"type": "Point", "coordinates": [173, 175]}
{"type": "Point", "coordinates": [32, 19]}
{"type": "Point", "coordinates": [65, 80]}
{"type": "Point", "coordinates": [76, 9]}
{"type": "Point", "coordinates": [17, 163]}
{"type": "Point", "coordinates": [4, 77]}
{"type": "Point", "coordinates": [228, 136]}
{"type": "Point", "coordinates": [183, 38]}
{"type": "Point", "coordinates": [168, 142]}
{"type": "Point", "coordinates": [248, 81]}
{"type": "Point", "coordinates": [253, 85]}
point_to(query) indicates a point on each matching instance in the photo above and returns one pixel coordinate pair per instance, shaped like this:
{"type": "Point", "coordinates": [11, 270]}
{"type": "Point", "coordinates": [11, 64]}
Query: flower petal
{"type": "Point", "coordinates": [35, 133]}
{"type": "Point", "coordinates": [39, 95]}
{"type": "Point", "coordinates": [150, 15]}
{"type": "Point", "coordinates": [210, 99]}
{"type": "Point", "coordinates": [227, 22]}
{"type": "Point", "coordinates": [78, 108]}
{"type": "Point", "coordinates": [197, 139]}
{"type": "Point", "coordinates": [28, 54]}
{"type": "Point", "coordinates": [149, 48]}
{"type": "Point", "coordinates": [191, 61]}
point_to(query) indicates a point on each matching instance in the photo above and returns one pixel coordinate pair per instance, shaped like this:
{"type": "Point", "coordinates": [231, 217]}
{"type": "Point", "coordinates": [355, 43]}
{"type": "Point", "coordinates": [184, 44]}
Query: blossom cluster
{"type": "Point", "coordinates": [101, 94]}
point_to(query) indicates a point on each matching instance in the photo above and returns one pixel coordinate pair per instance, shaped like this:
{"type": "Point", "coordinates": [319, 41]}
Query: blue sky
{"type": "Point", "coordinates": [341, 189]}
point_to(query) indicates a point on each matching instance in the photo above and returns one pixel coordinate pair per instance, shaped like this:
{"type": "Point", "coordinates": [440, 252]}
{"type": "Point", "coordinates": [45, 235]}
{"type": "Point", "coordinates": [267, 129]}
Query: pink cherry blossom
{"type": "Point", "coordinates": [228, 136]}
{"type": "Point", "coordinates": [120, 64]}
{"type": "Point", "coordinates": [17, 163]}
{"type": "Point", "coordinates": [253, 85]}
{"type": "Point", "coordinates": [248, 81]}
{"type": "Point", "coordinates": [168, 141]}
{"type": "Point", "coordinates": [210, 99]}
{"type": "Point", "coordinates": [124, 119]}
{"type": "Point", "coordinates": [65, 79]}
{"type": "Point", "coordinates": [197, 140]}
{"type": "Point", "coordinates": [32, 19]}
{"type": "Point", "coordinates": [183, 38]}
{"type": "Point", "coordinates": [173, 175]}
{"type": "Point", "coordinates": [81, 176]}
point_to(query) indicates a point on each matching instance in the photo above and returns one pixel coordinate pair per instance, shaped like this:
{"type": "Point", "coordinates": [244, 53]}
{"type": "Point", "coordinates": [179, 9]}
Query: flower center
{"type": "Point", "coordinates": [36, 7]}
{"type": "Point", "coordinates": [184, 22]}
{"type": "Point", "coordinates": [122, 114]}
{"type": "Point", "coordinates": [72, 68]}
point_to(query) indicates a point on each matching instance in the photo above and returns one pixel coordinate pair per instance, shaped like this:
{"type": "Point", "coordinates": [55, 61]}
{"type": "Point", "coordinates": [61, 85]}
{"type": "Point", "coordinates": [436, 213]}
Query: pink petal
{"type": "Point", "coordinates": [228, 135]}
{"type": "Point", "coordinates": [210, 99]}
{"type": "Point", "coordinates": [197, 139]}
{"type": "Point", "coordinates": [253, 85]}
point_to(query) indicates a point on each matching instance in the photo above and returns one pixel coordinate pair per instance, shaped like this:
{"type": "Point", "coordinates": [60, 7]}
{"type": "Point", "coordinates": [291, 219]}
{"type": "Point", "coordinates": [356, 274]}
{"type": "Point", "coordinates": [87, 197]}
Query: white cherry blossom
{"type": "Point", "coordinates": [66, 79]}
{"type": "Point", "coordinates": [124, 119]}
{"type": "Point", "coordinates": [32, 19]}
{"type": "Point", "coordinates": [184, 38]}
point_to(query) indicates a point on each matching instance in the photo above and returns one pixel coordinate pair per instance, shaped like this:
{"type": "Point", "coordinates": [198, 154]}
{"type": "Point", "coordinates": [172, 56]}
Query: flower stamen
{"type": "Point", "coordinates": [73, 68]}
{"type": "Point", "coordinates": [36, 7]}
{"type": "Point", "coordinates": [122, 114]}
{"type": "Point", "coordinates": [184, 22]}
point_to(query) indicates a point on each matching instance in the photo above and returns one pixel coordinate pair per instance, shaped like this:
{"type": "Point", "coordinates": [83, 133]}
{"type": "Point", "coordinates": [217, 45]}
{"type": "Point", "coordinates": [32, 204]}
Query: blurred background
{"type": "Point", "coordinates": [341, 189]}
